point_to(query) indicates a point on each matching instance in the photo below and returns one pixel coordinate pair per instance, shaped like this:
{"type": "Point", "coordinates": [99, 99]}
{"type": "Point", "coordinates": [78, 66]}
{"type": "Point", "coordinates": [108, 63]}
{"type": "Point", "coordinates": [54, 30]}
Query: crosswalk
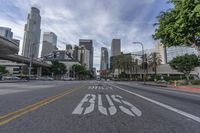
{"type": "Point", "coordinates": [100, 88]}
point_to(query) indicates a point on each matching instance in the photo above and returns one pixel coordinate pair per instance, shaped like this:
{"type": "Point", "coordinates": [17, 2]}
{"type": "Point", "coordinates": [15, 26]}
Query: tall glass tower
{"type": "Point", "coordinates": [32, 34]}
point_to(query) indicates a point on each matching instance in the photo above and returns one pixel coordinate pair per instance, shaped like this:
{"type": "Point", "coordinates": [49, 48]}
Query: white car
{"type": "Point", "coordinates": [68, 78]}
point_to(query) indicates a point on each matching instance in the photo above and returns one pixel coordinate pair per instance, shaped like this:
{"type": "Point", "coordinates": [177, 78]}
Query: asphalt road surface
{"type": "Point", "coordinates": [96, 107]}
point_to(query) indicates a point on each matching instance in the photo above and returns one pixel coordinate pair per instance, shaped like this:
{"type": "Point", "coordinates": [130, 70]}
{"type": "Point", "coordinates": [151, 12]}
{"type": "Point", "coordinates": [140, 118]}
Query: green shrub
{"type": "Point", "coordinates": [195, 82]}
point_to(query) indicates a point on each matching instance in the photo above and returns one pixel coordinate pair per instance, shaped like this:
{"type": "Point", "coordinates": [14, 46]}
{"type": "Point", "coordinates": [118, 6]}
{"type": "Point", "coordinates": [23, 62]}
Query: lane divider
{"type": "Point", "coordinates": [20, 112]}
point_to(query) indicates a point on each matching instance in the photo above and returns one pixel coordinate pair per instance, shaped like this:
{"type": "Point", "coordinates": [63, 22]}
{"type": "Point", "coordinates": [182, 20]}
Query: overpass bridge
{"type": "Point", "coordinates": [9, 50]}
{"type": "Point", "coordinates": [25, 60]}
{"type": "Point", "coordinates": [8, 46]}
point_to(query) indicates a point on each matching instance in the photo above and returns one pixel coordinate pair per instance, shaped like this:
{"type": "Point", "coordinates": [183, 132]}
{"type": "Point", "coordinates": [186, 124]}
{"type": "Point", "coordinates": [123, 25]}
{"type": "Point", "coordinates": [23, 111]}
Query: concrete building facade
{"type": "Point", "coordinates": [167, 54]}
{"type": "Point", "coordinates": [88, 44]}
{"type": "Point", "coordinates": [32, 34]}
{"type": "Point", "coordinates": [50, 37]}
{"type": "Point", "coordinates": [49, 43]}
{"type": "Point", "coordinates": [84, 57]}
{"type": "Point", "coordinates": [104, 59]}
{"type": "Point", "coordinates": [69, 50]}
{"type": "Point", "coordinates": [13, 68]}
{"type": "Point", "coordinates": [6, 32]}
{"type": "Point", "coordinates": [116, 47]}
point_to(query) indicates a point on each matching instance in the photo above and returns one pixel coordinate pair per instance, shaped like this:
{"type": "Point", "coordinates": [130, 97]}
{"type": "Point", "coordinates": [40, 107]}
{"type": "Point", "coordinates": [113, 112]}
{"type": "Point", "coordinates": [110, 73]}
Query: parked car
{"type": "Point", "coordinates": [44, 78]}
{"type": "Point", "coordinates": [16, 78]}
{"type": "Point", "coordinates": [7, 78]}
{"type": "Point", "coordinates": [67, 78]}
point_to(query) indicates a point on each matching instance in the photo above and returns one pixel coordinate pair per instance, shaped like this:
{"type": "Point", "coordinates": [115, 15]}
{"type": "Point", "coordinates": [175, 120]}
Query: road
{"type": "Point", "coordinates": [96, 107]}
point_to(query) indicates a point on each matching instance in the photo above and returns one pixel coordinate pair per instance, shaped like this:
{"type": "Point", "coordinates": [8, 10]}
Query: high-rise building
{"type": "Point", "coordinates": [115, 51]}
{"type": "Point", "coordinates": [84, 57]}
{"type": "Point", "coordinates": [167, 54]}
{"type": "Point", "coordinates": [163, 52]}
{"type": "Point", "coordinates": [32, 34]}
{"type": "Point", "coordinates": [68, 46]}
{"type": "Point", "coordinates": [49, 43]}
{"type": "Point", "coordinates": [75, 52]}
{"type": "Point", "coordinates": [116, 47]}
{"type": "Point", "coordinates": [69, 50]}
{"type": "Point", "coordinates": [104, 59]}
{"type": "Point", "coordinates": [6, 32]}
{"type": "Point", "coordinates": [88, 44]}
{"type": "Point", "coordinates": [50, 37]}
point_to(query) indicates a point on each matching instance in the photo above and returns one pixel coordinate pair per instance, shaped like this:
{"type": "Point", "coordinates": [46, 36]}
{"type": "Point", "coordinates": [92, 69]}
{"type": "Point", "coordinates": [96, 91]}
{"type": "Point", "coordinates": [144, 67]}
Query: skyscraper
{"type": "Point", "coordinates": [49, 43]}
{"type": "Point", "coordinates": [104, 58]}
{"type": "Point", "coordinates": [115, 51]}
{"type": "Point", "coordinates": [6, 32]}
{"type": "Point", "coordinates": [116, 47]}
{"type": "Point", "coordinates": [88, 44]}
{"type": "Point", "coordinates": [32, 34]}
{"type": "Point", "coordinates": [75, 52]}
{"type": "Point", "coordinates": [50, 37]}
{"type": "Point", "coordinates": [84, 57]}
{"type": "Point", "coordinates": [69, 50]}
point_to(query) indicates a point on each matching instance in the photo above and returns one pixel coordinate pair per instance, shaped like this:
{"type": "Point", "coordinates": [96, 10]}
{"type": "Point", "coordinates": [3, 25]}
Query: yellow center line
{"type": "Point", "coordinates": [20, 112]}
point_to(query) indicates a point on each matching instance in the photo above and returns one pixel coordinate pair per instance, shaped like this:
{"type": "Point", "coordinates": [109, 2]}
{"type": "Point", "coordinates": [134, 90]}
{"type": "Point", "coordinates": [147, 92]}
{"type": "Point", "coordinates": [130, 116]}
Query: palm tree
{"type": "Point", "coordinates": [154, 59]}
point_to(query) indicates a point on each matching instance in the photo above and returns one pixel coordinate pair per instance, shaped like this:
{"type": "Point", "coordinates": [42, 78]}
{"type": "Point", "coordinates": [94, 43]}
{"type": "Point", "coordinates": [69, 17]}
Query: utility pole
{"type": "Point", "coordinates": [31, 60]}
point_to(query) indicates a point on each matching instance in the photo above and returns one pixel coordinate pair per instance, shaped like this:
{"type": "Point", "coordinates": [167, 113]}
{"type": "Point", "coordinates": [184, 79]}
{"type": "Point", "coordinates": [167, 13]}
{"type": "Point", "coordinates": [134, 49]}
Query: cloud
{"type": "Point", "coordinates": [129, 20]}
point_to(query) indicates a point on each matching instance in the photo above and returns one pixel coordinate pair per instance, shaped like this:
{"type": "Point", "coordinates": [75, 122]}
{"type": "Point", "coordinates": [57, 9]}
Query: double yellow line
{"type": "Point", "coordinates": [20, 112]}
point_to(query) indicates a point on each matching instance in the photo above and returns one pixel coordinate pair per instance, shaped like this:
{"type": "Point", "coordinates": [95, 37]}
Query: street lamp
{"type": "Point", "coordinates": [140, 43]}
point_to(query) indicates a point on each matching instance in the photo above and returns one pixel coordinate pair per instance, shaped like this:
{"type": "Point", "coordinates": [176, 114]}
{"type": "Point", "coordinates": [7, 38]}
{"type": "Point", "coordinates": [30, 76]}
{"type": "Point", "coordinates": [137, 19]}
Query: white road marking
{"type": "Point", "coordinates": [99, 88]}
{"type": "Point", "coordinates": [112, 108]}
{"type": "Point", "coordinates": [165, 90]}
{"type": "Point", "coordinates": [193, 117]}
{"type": "Point", "coordinates": [91, 107]}
{"type": "Point", "coordinates": [132, 111]}
{"type": "Point", "coordinates": [96, 87]}
{"type": "Point", "coordinates": [100, 106]}
{"type": "Point", "coordinates": [79, 109]}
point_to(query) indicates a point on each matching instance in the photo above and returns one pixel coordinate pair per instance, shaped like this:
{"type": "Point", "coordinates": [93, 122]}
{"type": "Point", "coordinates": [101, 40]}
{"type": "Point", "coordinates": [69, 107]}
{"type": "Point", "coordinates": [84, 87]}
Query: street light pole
{"type": "Point", "coordinates": [142, 56]}
{"type": "Point", "coordinates": [31, 49]}
{"type": "Point", "coordinates": [31, 60]}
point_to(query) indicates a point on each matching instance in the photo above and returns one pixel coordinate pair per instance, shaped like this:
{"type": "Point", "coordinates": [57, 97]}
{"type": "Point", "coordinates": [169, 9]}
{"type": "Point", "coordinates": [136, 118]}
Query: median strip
{"type": "Point", "coordinates": [20, 112]}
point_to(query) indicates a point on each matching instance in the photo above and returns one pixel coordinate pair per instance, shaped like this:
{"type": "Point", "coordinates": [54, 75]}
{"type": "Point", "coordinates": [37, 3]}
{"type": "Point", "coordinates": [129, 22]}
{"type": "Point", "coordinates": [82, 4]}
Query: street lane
{"type": "Point", "coordinates": [102, 108]}
{"type": "Point", "coordinates": [188, 102]}
{"type": "Point", "coordinates": [30, 93]}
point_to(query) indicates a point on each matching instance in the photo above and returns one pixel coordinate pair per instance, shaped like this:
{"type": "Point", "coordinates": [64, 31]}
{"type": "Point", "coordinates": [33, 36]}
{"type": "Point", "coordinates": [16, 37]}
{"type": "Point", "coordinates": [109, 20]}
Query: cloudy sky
{"type": "Point", "coordinates": [100, 20]}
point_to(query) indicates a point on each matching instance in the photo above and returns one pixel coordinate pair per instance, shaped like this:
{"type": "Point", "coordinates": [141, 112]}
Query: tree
{"type": "Point", "coordinates": [185, 64]}
{"type": "Point", "coordinates": [3, 70]}
{"type": "Point", "coordinates": [154, 59]}
{"type": "Point", "coordinates": [58, 69]}
{"type": "Point", "coordinates": [80, 71]}
{"type": "Point", "coordinates": [180, 25]}
{"type": "Point", "coordinates": [123, 62]}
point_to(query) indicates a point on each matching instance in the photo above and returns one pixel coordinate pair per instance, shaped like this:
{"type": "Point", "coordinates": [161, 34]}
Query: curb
{"type": "Point", "coordinates": [15, 81]}
{"type": "Point", "coordinates": [181, 88]}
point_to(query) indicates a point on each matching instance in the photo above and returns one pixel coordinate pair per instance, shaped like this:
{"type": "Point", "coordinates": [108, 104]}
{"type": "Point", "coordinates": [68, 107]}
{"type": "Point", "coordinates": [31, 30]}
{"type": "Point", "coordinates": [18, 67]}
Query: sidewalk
{"type": "Point", "coordinates": [12, 81]}
{"type": "Point", "coordinates": [180, 88]}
